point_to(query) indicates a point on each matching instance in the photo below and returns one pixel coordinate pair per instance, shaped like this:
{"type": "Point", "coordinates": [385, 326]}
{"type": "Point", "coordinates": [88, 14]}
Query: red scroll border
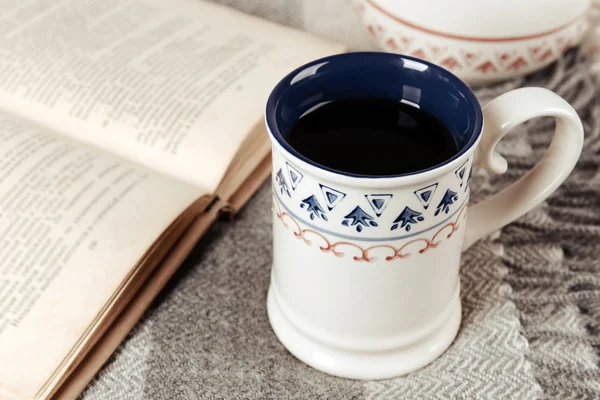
{"type": "Point", "coordinates": [401, 252]}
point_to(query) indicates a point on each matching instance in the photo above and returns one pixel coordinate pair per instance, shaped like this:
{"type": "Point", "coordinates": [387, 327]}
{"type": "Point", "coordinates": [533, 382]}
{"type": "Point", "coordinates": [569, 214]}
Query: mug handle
{"type": "Point", "coordinates": [502, 115]}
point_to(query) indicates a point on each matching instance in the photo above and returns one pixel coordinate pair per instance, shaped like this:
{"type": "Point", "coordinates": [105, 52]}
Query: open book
{"type": "Point", "coordinates": [126, 126]}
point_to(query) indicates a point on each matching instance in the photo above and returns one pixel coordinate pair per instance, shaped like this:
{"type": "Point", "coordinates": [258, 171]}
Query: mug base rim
{"type": "Point", "coordinates": [359, 365]}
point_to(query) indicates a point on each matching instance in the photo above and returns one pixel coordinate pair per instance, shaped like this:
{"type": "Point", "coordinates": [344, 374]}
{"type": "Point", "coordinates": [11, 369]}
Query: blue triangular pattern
{"type": "Point", "coordinates": [425, 194]}
{"type": "Point", "coordinates": [378, 202]}
{"type": "Point", "coordinates": [332, 196]}
{"type": "Point", "coordinates": [295, 176]}
{"type": "Point", "coordinates": [460, 173]}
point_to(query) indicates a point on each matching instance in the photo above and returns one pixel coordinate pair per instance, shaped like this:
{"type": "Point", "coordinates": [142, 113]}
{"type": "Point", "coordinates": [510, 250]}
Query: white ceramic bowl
{"type": "Point", "coordinates": [480, 41]}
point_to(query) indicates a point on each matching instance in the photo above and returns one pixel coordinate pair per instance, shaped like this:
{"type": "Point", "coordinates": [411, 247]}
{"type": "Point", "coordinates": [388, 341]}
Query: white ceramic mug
{"type": "Point", "coordinates": [365, 277]}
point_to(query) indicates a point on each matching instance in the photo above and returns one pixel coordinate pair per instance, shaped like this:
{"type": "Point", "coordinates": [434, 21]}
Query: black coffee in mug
{"type": "Point", "coordinates": [370, 136]}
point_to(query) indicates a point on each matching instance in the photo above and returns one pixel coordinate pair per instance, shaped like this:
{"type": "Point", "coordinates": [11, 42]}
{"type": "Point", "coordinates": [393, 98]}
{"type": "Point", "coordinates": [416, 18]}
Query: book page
{"type": "Point", "coordinates": [74, 223]}
{"type": "Point", "coordinates": [174, 85]}
{"type": "Point", "coordinates": [117, 332]}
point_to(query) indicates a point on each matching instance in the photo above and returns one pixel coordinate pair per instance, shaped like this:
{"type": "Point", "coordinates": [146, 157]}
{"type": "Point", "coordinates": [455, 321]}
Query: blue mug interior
{"type": "Point", "coordinates": [379, 75]}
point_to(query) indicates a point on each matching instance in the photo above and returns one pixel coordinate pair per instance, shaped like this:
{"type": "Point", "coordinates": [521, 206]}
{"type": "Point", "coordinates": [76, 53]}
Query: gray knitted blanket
{"type": "Point", "coordinates": [530, 293]}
